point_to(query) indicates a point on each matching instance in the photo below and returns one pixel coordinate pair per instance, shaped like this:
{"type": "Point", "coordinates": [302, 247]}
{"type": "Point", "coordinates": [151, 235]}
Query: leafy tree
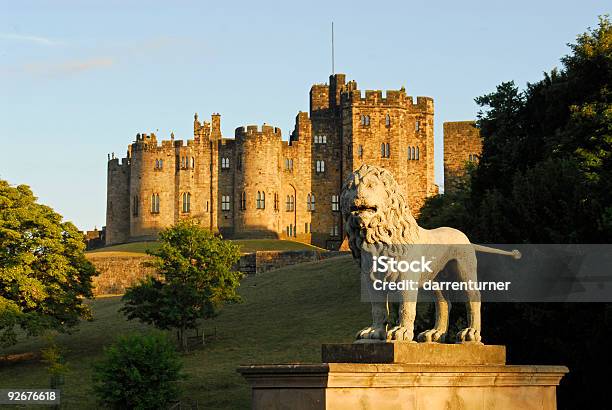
{"type": "Point", "coordinates": [44, 276]}
{"type": "Point", "coordinates": [195, 277]}
{"type": "Point", "coordinates": [138, 372]}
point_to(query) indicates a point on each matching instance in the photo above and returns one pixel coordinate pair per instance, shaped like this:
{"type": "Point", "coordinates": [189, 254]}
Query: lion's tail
{"type": "Point", "coordinates": [514, 253]}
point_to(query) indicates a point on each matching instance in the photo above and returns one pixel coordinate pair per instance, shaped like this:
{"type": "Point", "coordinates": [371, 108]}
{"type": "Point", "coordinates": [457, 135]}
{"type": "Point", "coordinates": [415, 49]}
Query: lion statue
{"type": "Point", "coordinates": [376, 213]}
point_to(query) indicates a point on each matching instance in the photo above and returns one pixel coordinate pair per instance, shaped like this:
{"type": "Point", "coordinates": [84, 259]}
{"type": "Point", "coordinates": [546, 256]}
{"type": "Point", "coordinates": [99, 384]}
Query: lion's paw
{"type": "Point", "coordinates": [371, 332]}
{"type": "Point", "coordinates": [432, 336]}
{"type": "Point", "coordinates": [400, 334]}
{"type": "Point", "coordinates": [469, 335]}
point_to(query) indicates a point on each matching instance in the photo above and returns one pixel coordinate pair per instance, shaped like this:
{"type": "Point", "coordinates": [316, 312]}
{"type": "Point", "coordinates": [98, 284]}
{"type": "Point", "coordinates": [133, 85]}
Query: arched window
{"type": "Point", "coordinates": [382, 150]}
{"type": "Point", "coordinates": [320, 166]}
{"type": "Point", "coordinates": [363, 121]}
{"type": "Point", "coordinates": [183, 162]}
{"type": "Point", "coordinates": [225, 163]}
{"type": "Point", "coordinates": [417, 126]}
{"type": "Point", "coordinates": [186, 202]}
{"type": "Point", "coordinates": [156, 164]}
{"type": "Point", "coordinates": [367, 120]}
{"type": "Point", "coordinates": [161, 163]}
{"type": "Point", "coordinates": [192, 162]}
{"type": "Point", "coordinates": [288, 204]}
{"type": "Point", "coordinates": [387, 120]}
{"type": "Point", "coordinates": [417, 153]}
{"type": "Point", "coordinates": [261, 200]}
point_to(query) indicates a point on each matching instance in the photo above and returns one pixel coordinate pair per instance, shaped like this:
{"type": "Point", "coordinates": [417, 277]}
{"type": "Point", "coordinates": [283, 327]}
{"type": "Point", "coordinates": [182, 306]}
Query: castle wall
{"type": "Point", "coordinates": [462, 144]}
{"type": "Point", "coordinates": [117, 201]}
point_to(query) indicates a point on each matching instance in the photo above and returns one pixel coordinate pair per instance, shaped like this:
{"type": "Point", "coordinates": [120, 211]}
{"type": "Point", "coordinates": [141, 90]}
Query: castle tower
{"type": "Point", "coordinates": [462, 145]}
{"type": "Point", "coordinates": [257, 180]}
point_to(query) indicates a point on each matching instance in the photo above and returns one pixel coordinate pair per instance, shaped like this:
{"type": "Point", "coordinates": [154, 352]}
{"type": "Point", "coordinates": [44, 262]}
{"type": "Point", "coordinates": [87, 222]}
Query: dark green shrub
{"type": "Point", "coordinates": [138, 372]}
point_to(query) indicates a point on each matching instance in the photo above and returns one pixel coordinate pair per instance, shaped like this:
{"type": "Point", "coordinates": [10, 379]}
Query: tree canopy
{"type": "Point", "coordinates": [44, 276]}
{"type": "Point", "coordinates": [544, 174]}
{"type": "Point", "coordinates": [195, 277]}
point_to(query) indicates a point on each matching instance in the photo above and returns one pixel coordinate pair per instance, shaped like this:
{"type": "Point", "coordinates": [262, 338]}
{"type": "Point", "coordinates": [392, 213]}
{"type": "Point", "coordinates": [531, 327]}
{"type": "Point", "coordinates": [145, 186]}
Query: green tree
{"type": "Point", "coordinates": [138, 372]}
{"type": "Point", "coordinates": [44, 276]}
{"type": "Point", "coordinates": [195, 278]}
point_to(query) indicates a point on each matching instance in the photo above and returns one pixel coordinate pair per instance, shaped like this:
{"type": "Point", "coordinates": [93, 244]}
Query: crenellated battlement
{"type": "Point", "coordinates": [397, 98]}
{"type": "Point", "coordinates": [254, 131]}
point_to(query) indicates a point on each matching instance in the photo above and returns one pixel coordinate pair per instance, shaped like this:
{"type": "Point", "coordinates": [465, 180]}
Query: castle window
{"type": "Point", "coordinates": [206, 206]}
{"type": "Point", "coordinates": [362, 120]}
{"type": "Point", "coordinates": [360, 151]}
{"type": "Point", "coordinates": [417, 125]}
{"type": "Point", "coordinates": [385, 150]}
{"type": "Point", "coordinates": [156, 164]}
{"type": "Point", "coordinates": [367, 120]}
{"type": "Point", "coordinates": [413, 153]}
{"type": "Point", "coordinates": [261, 200]}
{"type": "Point", "coordinates": [225, 163]}
{"type": "Point", "coordinates": [291, 231]}
{"type": "Point", "coordinates": [225, 202]}
{"type": "Point", "coordinates": [290, 203]}
{"type": "Point", "coordinates": [186, 202]}
{"type": "Point", "coordinates": [155, 203]}
{"type": "Point", "coordinates": [243, 200]}
{"type": "Point", "coordinates": [320, 166]}
{"type": "Point", "coordinates": [135, 206]}
{"type": "Point", "coordinates": [335, 231]}
{"type": "Point", "coordinates": [310, 202]}
{"type": "Point", "coordinates": [183, 162]}
{"type": "Point", "coordinates": [473, 158]}
{"type": "Point", "coordinates": [320, 139]}
{"type": "Point", "coordinates": [276, 201]}
{"type": "Point", "coordinates": [288, 164]}
{"type": "Point", "coordinates": [335, 203]}
{"type": "Point", "coordinates": [387, 120]}
{"type": "Point", "coordinates": [192, 162]}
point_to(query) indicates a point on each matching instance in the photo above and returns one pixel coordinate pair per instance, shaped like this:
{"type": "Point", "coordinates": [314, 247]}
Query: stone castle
{"type": "Point", "coordinates": [258, 185]}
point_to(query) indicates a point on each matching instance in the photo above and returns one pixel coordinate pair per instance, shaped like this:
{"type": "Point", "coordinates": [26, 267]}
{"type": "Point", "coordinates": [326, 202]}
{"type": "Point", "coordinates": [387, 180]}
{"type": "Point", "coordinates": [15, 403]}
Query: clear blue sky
{"type": "Point", "coordinates": [79, 79]}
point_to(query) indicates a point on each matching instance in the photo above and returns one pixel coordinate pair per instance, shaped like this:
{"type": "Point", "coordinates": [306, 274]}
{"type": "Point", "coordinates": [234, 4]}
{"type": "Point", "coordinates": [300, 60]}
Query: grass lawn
{"type": "Point", "coordinates": [246, 246]}
{"type": "Point", "coordinates": [286, 315]}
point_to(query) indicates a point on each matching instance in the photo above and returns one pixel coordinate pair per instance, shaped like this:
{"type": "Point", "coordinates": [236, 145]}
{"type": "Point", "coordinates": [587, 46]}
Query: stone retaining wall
{"type": "Point", "coordinates": [118, 272]}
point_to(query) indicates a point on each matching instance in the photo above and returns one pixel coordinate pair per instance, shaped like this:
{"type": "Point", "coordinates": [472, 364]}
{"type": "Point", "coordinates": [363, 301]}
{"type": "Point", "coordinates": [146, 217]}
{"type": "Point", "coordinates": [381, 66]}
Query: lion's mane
{"type": "Point", "coordinates": [392, 226]}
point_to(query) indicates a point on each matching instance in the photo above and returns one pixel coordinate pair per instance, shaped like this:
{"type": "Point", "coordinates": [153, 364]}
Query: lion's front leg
{"type": "Point", "coordinates": [378, 329]}
{"type": "Point", "coordinates": [404, 331]}
{"type": "Point", "coordinates": [380, 311]}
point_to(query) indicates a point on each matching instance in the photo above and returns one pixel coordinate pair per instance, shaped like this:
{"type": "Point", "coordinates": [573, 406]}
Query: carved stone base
{"type": "Point", "coordinates": [406, 386]}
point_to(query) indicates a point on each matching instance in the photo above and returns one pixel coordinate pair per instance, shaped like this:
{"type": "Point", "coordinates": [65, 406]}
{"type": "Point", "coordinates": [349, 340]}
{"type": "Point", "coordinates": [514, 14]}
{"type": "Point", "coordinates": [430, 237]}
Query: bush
{"type": "Point", "coordinates": [138, 372]}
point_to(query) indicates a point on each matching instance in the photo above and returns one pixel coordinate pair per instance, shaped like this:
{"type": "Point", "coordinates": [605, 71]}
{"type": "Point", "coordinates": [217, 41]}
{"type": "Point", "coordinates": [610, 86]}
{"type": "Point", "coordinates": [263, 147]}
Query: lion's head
{"type": "Point", "coordinates": [375, 210]}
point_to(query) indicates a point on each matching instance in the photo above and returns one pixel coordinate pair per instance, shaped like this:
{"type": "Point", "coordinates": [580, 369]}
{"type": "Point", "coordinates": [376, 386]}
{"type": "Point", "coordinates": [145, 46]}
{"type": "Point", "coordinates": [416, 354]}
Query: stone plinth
{"type": "Point", "coordinates": [405, 386]}
{"type": "Point", "coordinates": [413, 353]}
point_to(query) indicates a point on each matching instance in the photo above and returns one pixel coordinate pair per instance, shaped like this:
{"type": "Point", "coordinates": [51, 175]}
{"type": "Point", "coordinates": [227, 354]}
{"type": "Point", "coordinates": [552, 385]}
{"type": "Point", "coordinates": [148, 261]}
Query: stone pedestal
{"type": "Point", "coordinates": [405, 376]}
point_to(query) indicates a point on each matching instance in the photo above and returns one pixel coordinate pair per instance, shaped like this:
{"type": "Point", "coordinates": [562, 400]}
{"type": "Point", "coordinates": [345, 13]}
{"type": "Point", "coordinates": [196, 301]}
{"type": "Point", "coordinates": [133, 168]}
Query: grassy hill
{"type": "Point", "coordinates": [246, 246]}
{"type": "Point", "coordinates": [286, 315]}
